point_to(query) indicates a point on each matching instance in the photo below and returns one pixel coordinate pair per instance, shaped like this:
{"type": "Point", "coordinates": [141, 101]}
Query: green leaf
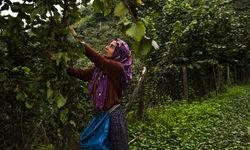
{"type": "Point", "coordinates": [97, 5]}
{"type": "Point", "coordinates": [136, 31]}
{"type": "Point", "coordinates": [120, 10]}
{"type": "Point", "coordinates": [102, 6]}
{"type": "Point", "coordinates": [49, 90]}
{"type": "Point", "coordinates": [33, 14]}
{"type": "Point", "coordinates": [60, 101]}
{"type": "Point", "coordinates": [50, 98]}
{"type": "Point", "coordinates": [146, 46]}
{"type": "Point", "coordinates": [2, 77]}
{"type": "Point", "coordinates": [28, 104]}
{"type": "Point", "coordinates": [26, 70]}
{"type": "Point", "coordinates": [59, 56]}
{"type": "Point", "coordinates": [106, 7]}
{"type": "Point", "coordinates": [49, 93]}
{"type": "Point", "coordinates": [72, 122]}
{"type": "Point", "coordinates": [15, 69]}
{"type": "Point", "coordinates": [177, 27]}
{"type": "Point", "coordinates": [139, 2]}
{"type": "Point", "coordinates": [143, 47]}
{"type": "Point", "coordinates": [66, 57]}
{"type": "Point", "coordinates": [64, 115]}
{"type": "Point", "coordinates": [21, 96]}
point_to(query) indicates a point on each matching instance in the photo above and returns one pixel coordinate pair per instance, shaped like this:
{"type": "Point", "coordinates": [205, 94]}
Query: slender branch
{"type": "Point", "coordinates": [65, 8]}
{"type": "Point", "coordinates": [215, 80]}
{"type": "Point", "coordinates": [51, 17]}
{"type": "Point", "coordinates": [24, 1]}
{"type": "Point", "coordinates": [135, 138]}
{"type": "Point", "coordinates": [136, 90]}
{"type": "Point", "coordinates": [45, 134]}
{"type": "Point", "coordinates": [130, 11]}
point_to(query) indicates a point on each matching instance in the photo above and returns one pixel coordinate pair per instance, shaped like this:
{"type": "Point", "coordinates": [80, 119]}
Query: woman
{"type": "Point", "coordinates": [107, 81]}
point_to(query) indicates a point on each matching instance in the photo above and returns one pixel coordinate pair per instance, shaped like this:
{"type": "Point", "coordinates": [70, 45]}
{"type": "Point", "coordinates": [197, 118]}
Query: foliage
{"type": "Point", "coordinates": [204, 36]}
{"type": "Point", "coordinates": [47, 109]}
{"type": "Point", "coordinates": [219, 122]}
{"type": "Point", "coordinates": [40, 102]}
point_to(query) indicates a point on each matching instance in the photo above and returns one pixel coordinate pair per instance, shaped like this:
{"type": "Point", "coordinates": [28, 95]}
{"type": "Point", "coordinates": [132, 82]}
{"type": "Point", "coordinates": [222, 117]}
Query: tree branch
{"type": "Point", "coordinates": [135, 138]}
{"type": "Point", "coordinates": [130, 10]}
{"type": "Point", "coordinates": [136, 90]}
{"type": "Point", "coordinates": [65, 9]}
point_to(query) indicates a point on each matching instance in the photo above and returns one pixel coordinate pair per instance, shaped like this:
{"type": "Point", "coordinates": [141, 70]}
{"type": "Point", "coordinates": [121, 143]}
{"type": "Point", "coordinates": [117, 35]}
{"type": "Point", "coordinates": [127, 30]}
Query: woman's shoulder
{"type": "Point", "coordinates": [116, 64]}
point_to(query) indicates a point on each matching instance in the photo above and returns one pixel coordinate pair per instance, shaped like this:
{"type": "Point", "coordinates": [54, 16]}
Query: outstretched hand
{"type": "Point", "coordinates": [79, 39]}
{"type": "Point", "coordinates": [72, 31]}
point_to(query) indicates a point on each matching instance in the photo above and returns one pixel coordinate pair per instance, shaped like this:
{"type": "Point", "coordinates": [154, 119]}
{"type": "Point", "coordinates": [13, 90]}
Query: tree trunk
{"type": "Point", "coordinates": [215, 80]}
{"type": "Point", "coordinates": [136, 90]}
{"type": "Point", "coordinates": [185, 82]}
{"type": "Point", "coordinates": [228, 74]}
{"type": "Point", "coordinates": [100, 24]}
{"type": "Point", "coordinates": [248, 74]}
{"type": "Point", "coordinates": [204, 82]}
{"type": "Point", "coordinates": [140, 111]}
{"type": "Point", "coordinates": [235, 74]}
{"type": "Point", "coordinates": [220, 79]}
{"type": "Point", "coordinates": [244, 74]}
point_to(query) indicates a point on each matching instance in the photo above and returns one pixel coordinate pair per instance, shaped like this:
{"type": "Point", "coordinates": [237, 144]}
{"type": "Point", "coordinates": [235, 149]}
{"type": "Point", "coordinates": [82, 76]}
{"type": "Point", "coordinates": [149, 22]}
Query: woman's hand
{"type": "Point", "coordinates": [72, 31]}
{"type": "Point", "coordinates": [79, 39]}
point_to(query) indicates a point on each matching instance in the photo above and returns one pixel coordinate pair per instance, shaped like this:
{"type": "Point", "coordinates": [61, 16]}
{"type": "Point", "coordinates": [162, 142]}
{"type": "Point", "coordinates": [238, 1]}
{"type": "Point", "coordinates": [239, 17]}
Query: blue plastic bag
{"type": "Point", "coordinates": [95, 135]}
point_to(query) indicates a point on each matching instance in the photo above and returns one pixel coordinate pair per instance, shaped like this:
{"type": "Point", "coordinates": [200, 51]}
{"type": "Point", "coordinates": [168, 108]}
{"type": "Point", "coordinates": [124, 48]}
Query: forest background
{"type": "Point", "coordinates": [203, 49]}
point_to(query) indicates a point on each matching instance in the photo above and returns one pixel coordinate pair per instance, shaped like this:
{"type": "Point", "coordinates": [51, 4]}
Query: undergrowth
{"type": "Point", "coordinates": [218, 122]}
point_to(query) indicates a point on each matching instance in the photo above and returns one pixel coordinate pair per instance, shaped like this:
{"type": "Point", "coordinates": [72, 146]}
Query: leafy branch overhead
{"type": "Point", "coordinates": [204, 47]}
{"type": "Point", "coordinates": [132, 26]}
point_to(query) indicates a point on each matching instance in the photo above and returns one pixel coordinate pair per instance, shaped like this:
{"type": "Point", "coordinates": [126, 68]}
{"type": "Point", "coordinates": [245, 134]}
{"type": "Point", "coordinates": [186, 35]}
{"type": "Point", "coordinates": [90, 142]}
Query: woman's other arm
{"type": "Point", "coordinates": [82, 74]}
{"type": "Point", "coordinates": [109, 66]}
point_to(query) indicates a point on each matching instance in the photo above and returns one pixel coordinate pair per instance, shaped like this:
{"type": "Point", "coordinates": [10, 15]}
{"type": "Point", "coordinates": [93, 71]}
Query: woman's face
{"type": "Point", "coordinates": [110, 48]}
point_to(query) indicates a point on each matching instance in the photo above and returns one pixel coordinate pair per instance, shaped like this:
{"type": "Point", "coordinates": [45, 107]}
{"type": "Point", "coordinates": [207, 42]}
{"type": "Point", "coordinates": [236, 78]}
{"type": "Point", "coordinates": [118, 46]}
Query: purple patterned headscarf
{"type": "Point", "coordinates": [98, 86]}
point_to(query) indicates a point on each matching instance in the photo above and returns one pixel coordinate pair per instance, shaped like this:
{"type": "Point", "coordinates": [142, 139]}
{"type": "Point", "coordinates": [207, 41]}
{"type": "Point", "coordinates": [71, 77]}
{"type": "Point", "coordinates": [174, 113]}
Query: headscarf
{"type": "Point", "coordinates": [98, 85]}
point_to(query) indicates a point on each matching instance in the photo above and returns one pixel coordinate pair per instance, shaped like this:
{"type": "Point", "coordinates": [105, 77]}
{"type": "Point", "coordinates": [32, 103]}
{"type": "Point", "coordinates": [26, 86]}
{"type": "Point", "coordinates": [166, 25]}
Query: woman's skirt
{"type": "Point", "coordinates": [118, 133]}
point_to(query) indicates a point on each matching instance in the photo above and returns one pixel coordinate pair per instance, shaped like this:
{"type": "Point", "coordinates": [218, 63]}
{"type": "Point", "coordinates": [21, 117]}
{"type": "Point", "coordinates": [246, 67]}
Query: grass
{"type": "Point", "coordinates": [218, 122]}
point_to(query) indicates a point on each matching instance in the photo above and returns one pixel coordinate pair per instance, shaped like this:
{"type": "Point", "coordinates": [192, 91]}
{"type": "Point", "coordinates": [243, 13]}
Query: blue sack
{"type": "Point", "coordinates": [95, 135]}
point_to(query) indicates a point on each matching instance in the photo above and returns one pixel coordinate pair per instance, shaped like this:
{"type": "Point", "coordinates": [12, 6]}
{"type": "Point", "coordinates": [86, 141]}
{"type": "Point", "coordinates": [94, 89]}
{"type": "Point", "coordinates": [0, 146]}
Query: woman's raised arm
{"type": "Point", "coordinates": [82, 74]}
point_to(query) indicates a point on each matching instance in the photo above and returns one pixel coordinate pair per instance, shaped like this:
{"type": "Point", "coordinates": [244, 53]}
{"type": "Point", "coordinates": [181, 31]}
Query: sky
{"type": "Point", "coordinates": [7, 12]}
